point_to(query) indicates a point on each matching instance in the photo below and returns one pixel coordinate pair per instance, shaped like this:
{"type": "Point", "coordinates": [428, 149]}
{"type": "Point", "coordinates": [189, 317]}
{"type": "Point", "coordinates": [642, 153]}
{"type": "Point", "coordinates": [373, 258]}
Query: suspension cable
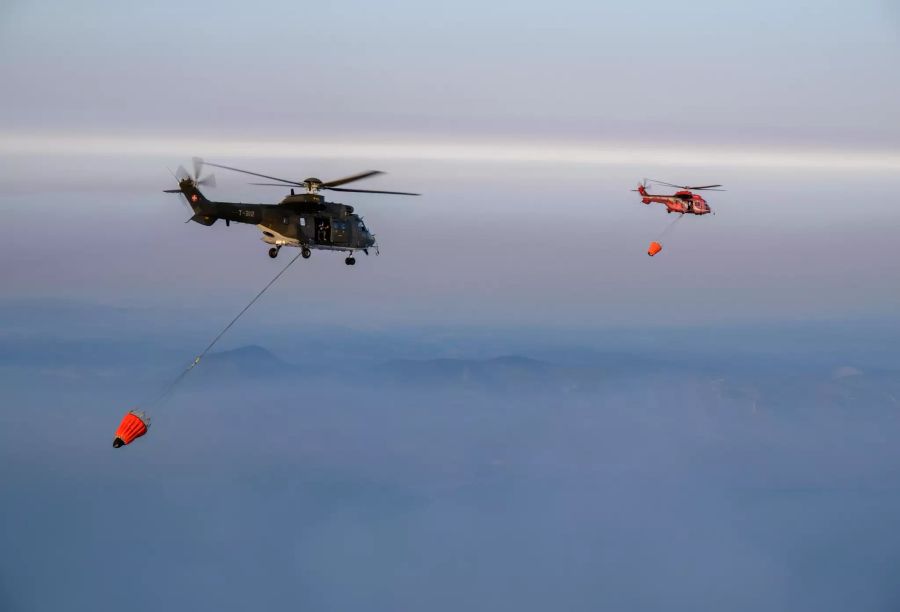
{"type": "Point", "coordinates": [171, 387]}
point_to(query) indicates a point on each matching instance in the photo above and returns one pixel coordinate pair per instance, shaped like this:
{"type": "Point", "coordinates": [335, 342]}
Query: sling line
{"type": "Point", "coordinates": [168, 390]}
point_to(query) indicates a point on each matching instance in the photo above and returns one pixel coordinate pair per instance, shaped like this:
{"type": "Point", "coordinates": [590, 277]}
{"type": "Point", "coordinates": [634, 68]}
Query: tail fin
{"type": "Point", "coordinates": [202, 207]}
{"type": "Point", "coordinates": [642, 189]}
{"type": "Point", "coordinates": [195, 198]}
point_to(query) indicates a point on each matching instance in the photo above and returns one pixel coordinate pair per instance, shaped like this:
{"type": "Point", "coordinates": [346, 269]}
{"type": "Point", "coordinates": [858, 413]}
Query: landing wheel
{"type": "Point", "coordinates": [306, 253]}
{"type": "Point", "coordinates": [350, 261]}
{"type": "Point", "coordinates": [273, 252]}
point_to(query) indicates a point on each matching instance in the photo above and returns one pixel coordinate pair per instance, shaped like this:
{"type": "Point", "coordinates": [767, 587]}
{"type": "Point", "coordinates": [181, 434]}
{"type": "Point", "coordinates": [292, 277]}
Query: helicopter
{"type": "Point", "coordinates": [683, 201]}
{"type": "Point", "coordinates": [303, 220]}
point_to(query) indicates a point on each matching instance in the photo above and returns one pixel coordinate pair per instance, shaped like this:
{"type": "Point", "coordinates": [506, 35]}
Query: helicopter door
{"type": "Point", "coordinates": [302, 232]}
{"type": "Point", "coordinates": [323, 230]}
{"type": "Point", "coordinates": [339, 232]}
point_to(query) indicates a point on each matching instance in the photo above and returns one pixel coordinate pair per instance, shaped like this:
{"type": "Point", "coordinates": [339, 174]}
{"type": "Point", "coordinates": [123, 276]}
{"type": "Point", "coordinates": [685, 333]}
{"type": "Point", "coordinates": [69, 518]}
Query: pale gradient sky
{"type": "Point", "coordinates": [809, 72]}
{"type": "Point", "coordinates": [525, 126]}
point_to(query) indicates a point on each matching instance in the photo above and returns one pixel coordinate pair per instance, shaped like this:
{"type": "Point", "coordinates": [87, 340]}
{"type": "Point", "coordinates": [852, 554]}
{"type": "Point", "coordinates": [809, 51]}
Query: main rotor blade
{"type": "Point", "coordinates": [697, 188]}
{"type": "Point", "coordinates": [667, 184]}
{"type": "Point", "coordinates": [371, 191]}
{"type": "Point", "coordinates": [350, 179]}
{"type": "Point", "coordinates": [274, 178]}
{"type": "Point", "coordinates": [274, 184]}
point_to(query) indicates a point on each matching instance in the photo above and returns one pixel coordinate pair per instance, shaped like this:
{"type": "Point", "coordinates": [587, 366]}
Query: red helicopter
{"type": "Point", "coordinates": [683, 201]}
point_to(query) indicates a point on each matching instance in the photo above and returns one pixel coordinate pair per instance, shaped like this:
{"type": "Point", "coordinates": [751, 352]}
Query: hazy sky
{"type": "Point", "coordinates": [803, 71]}
{"type": "Point", "coordinates": [524, 125]}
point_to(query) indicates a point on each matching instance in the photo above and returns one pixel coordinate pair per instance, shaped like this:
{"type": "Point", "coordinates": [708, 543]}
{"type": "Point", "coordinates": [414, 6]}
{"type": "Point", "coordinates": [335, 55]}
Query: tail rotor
{"type": "Point", "coordinates": [207, 181]}
{"type": "Point", "coordinates": [183, 175]}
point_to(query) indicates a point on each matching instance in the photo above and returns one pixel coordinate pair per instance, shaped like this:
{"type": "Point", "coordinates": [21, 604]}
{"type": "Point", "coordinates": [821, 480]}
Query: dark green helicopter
{"type": "Point", "coordinates": [302, 220]}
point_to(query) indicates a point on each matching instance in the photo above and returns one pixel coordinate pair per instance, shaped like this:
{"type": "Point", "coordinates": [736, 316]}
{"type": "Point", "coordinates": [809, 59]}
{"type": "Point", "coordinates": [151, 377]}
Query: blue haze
{"type": "Point", "coordinates": [446, 467]}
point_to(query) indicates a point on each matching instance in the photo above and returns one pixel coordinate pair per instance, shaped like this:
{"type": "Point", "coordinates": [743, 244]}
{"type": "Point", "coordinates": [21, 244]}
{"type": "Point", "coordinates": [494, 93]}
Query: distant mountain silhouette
{"type": "Point", "coordinates": [246, 362]}
{"type": "Point", "coordinates": [506, 373]}
{"type": "Point", "coordinates": [436, 370]}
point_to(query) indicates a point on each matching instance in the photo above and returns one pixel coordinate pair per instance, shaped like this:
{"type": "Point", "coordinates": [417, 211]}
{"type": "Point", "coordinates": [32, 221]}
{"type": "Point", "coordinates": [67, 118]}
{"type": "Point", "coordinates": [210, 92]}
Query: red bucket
{"type": "Point", "coordinates": [133, 426]}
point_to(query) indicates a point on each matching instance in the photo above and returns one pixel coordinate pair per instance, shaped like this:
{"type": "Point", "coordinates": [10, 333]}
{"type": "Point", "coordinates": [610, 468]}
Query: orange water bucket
{"type": "Point", "coordinates": [133, 426]}
{"type": "Point", "coordinates": [655, 248]}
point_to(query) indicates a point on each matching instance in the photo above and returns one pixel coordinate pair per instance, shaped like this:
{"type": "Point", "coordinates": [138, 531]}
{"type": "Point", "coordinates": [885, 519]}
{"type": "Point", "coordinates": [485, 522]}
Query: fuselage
{"type": "Point", "coordinates": [304, 220]}
{"type": "Point", "coordinates": [684, 202]}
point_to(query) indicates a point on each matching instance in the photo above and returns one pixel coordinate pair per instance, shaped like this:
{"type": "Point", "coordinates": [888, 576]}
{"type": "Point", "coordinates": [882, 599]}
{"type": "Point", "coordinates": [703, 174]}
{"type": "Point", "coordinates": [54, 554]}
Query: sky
{"type": "Point", "coordinates": [773, 73]}
{"type": "Point", "coordinates": [524, 127]}
{"type": "Point", "coordinates": [511, 406]}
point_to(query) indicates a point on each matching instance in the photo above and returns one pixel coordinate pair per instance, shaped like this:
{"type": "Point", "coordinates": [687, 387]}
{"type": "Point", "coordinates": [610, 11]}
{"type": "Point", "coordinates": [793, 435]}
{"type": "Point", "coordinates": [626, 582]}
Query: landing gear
{"type": "Point", "coordinates": [273, 252]}
{"type": "Point", "coordinates": [306, 253]}
{"type": "Point", "coordinates": [350, 261]}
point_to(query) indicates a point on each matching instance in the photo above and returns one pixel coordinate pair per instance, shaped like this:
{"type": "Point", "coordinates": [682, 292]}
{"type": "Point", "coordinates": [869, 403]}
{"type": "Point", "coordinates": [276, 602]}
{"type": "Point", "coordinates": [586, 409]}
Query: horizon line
{"type": "Point", "coordinates": [601, 153]}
